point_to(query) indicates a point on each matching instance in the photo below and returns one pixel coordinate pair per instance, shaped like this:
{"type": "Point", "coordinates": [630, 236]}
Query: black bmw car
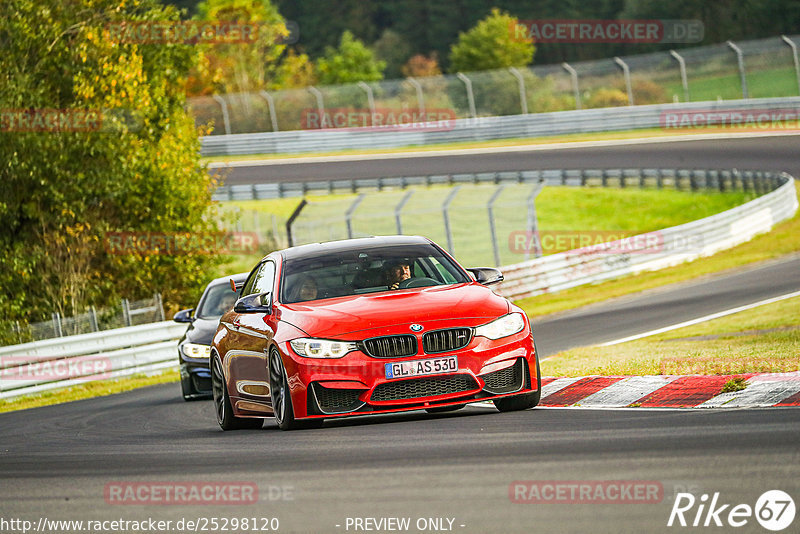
{"type": "Point", "coordinates": [194, 347]}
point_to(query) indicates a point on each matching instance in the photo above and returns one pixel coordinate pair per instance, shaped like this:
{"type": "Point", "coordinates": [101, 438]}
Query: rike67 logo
{"type": "Point", "coordinates": [774, 510]}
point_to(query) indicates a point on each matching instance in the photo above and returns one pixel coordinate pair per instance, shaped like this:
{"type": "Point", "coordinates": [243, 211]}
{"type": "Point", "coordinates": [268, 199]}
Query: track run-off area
{"type": "Point", "coordinates": [471, 471]}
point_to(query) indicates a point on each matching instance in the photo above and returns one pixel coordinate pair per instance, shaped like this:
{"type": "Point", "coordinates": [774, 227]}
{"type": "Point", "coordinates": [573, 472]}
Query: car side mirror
{"type": "Point", "coordinates": [486, 275]}
{"type": "Point", "coordinates": [255, 303]}
{"type": "Point", "coordinates": [183, 316]}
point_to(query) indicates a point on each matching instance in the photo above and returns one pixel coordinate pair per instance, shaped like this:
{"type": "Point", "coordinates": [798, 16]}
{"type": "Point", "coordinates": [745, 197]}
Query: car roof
{"type": "Point", "coordinates": [237, 279]}
{"type": "Point", "coordinates": [315, 249]}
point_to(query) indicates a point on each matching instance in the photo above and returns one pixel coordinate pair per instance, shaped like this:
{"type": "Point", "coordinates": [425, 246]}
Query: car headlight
{"type": "Point", "coordinates": [502, 327]}
{"type": "Point", "coordinates": [321, 348]}
{"type": "Point", "coordinates": [196, 350]}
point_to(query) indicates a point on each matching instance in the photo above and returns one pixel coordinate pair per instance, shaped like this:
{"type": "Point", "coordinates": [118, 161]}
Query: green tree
{"type": "Point", "coordinates": [349, 63]}
{"type": "Point", "coordinates": [240, 67]}
{"type": "Point", "coordinates": [491, 44]}
{"type": "Point", "coordinates": [62, 191]}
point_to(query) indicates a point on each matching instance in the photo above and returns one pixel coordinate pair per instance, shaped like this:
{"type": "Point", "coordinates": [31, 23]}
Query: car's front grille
{"type": "Point", "coordinates": [332, 400]}
{"type": "Point", "coordinates": [446, 340]}
{"type": "Point", "coordinates": [505, 380]}
{"type": "Point", "coordinates": [423, 387]}
{"type": "Point", "coordinates": [390, 346]}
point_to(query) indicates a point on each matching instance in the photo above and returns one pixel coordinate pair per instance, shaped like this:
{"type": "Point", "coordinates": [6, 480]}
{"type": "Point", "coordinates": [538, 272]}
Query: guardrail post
{"type": "Point", "coordinates": [320, 105]}
{"type": "Point", "coordinates": [523, 98]}
{"type": "Point", "coordinates": [370, 100]}
{"type": "Point", "coordinates": [400, 205]}
{"type": "Point", "coordinates": [740, 60]}
{"type": "Point", "coordinates": [290, 221]}
{"type": "Point", "coordinates": [470, 96]}
{"type": "Point", "coordinates": [420, 98]}
{"type": "Point", "coordinates": [226, 121]}
{"type": "Point", "coordinates": [575, 89]}
{"type": "Point", "coordinates": [492, 229]}
{"type": "Point", "coordinates": [684, 78]}
{"type": "Point", "coordinates": [445, 209]}
{"type": "Point", "coordinates": [793, 46]}
{"type": "Point", "coordinates": [348, 215]}
{"type": "Point", "coordinates": [627, 72]}
{"type": "Point", "coordinates": [271, 104]}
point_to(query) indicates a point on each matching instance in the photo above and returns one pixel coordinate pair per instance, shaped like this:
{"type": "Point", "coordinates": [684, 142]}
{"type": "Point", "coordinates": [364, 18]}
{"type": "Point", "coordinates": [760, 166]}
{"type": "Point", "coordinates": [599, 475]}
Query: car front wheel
{"type": "Point", "coordinates": [282, 398]}
{"type": "Point", "coordinates": [222, 401]}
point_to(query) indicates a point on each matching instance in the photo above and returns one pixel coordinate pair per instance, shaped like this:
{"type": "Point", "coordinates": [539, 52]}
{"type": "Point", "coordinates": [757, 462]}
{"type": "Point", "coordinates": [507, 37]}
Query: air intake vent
{"type": "Point", "coordinates": [331, 401]}
{"type": "Point", "coordinates": [506, 380]}
{"type": "Point", "coordinates": [423, 387]}
{"type": "Point", "coordinates": [390, 346]}
{"type": "Point", "coordinates": [446, 340]}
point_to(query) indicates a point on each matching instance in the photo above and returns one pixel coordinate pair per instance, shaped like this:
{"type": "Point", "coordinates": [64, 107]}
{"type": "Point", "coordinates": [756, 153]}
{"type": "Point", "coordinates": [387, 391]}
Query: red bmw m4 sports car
{"type": "Point", "coordinates": [367, 326]}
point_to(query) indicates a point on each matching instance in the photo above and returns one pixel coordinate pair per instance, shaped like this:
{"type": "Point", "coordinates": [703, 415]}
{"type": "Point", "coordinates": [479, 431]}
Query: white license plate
{"type": "Point", "coordinates": [434, 366]}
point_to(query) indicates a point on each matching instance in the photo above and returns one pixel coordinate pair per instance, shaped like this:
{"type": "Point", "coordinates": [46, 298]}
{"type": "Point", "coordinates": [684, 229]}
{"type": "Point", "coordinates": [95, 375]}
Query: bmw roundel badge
{"type": "Point", "coordinates": [416, 327]}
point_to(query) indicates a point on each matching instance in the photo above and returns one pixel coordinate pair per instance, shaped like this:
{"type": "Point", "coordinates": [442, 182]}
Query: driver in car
{"type": "Point", "coordinates": [396, 272]}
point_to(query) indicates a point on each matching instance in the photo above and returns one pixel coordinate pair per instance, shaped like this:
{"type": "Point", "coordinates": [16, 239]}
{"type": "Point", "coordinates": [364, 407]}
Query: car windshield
{"type": "Point", "coordinates": [369, 270]}
{"type": "Point", "coordinates": [218, 300]}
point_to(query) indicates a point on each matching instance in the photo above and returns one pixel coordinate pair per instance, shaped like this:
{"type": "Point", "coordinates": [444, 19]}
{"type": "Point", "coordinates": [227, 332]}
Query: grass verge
{"type": "Point", "coordinates": [761, 340]}
{"type": "Point", "coordinates": [88, 390]}
{"type": "Point", "coordinates": [782, 240]}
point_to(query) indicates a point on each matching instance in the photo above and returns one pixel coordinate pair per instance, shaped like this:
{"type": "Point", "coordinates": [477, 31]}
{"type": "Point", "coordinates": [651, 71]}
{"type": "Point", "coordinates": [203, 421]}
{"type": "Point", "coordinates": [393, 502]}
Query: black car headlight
{"type": "Point", "coordinates": [196, 350]}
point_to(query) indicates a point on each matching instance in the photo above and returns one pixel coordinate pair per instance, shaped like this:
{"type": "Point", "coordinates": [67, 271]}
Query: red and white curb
{"type": "Point", "coordinates": [689, 391]}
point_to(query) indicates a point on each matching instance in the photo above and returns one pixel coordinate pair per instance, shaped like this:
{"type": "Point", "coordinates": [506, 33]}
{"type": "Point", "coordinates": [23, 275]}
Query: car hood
{"type": "Point", "coordinates": [202, 331]}
{"type": "Point", "coordinates": [345, 315]}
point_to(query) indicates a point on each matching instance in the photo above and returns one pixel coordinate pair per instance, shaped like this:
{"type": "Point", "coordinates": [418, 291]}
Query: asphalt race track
{"type": "Point", "coordinates": [777, 153]}
{"type": "Point", "coordinates": [56, 462]}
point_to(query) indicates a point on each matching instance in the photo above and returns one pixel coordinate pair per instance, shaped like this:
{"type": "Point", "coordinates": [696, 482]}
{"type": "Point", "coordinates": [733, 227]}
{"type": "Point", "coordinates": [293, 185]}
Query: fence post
{"type": "Point", "coordinates": [627, 72]}
{"type": "Point", "coordinates": [320, 105]}
{"type": "Point", "coordinates": [533, 224]}
{"type": "Point", "coordinates": [492, 229]}
{"type": "Point", "coordinates": [575, 89]}
{"type": "Point", "coordinates": [57, 324]}
{"type": "Point", "coordinates": [420, 98]}
{"type": "Point", "coordinates": [470, 96]}
{"type": "Point", "coordinates": [742, 74]}
{"type": "Point", "coordinates": [794, 57]}
{"type": "Point", "coordinates": [291, 219]}
{"type": "Point", "coordinates": [370, 100]}
{"type": "Point", "coordinates": [271, 104]}
{"type": "Point", "coordinates": [160, 305]}
{"type": "Point", "coordinates": [126, 312]}
{"type": "Point", "coordinates": [446, 216]}
{"type": "Point", "coordinates": [348, 216]}
{"type": "Point", "coordinates": [226, 121]}
{"type": "Point", "coordinates": [93, 319]}
{"type": "Point", "coordinates": [684, 79]}
{"type": "Point", "coordinates": [523, 98]}
{"type": "Point", "coordinates": [399, 208]}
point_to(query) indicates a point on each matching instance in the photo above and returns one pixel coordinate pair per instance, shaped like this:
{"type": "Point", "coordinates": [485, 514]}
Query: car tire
{"type": "Point", "coordinates": [526, 400]}
{"type": "Point", "coordinates": [444, 409]}
{"type": "Point", "coordinates": [222, 402]}
{"type": "Point", "coordinates": [282, 399]}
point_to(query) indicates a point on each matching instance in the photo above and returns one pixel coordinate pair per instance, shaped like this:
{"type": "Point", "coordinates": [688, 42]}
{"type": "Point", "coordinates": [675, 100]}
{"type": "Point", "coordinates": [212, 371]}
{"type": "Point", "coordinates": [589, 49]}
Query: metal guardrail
{"type": "Point", "coordinates": [677, 178]}
{"type": "Point", "coordinates": [477, 129]}
{"type": "Point", "coordinates": [655, 250]}
{"type": "Point", "coordinates": [62, 362]}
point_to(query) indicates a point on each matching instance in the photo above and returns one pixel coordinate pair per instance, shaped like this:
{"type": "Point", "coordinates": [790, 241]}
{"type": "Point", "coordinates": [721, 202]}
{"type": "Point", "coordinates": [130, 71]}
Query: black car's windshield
{"type": "Point", "coordinates": [367, 270]}
{"type": "Point", "coordinates": [218, 300]}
